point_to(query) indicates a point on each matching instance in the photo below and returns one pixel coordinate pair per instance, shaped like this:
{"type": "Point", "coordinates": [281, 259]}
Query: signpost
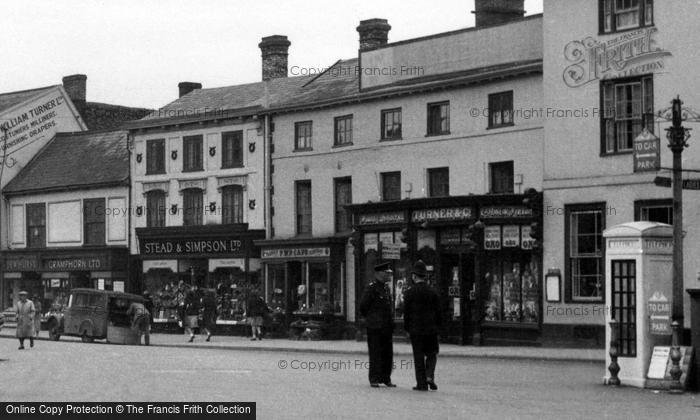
{"type": "Point", "coordinates": [687, 184]}
{"type": "Point", "coordinates": [647, 152]}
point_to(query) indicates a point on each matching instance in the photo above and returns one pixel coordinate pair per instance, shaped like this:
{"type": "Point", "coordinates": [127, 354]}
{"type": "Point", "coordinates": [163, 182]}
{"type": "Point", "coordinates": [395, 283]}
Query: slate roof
{"type": "Point", "coordinates": [10, 99]}
{"type": "Point", "coordinates": [79, 160]}
{"type": "Point", "coordinates": [99, 116]}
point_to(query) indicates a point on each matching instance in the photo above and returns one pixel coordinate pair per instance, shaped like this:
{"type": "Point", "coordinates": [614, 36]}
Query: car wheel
{"type": "Point", "coordinates": [86, 338]}
{"type": "Point", "coordinates": [54, 332]}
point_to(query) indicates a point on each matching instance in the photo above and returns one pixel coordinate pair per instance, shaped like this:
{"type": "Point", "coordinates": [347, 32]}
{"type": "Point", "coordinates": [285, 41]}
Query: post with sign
{"type": "Point", "coordinates": [647, 152]}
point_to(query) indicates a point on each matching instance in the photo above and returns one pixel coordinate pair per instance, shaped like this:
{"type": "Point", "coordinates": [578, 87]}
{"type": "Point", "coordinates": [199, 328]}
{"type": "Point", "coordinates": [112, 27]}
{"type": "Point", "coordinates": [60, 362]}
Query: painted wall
{"type": "Point", "coordinates": [64, 217]}
{"type": "Point", "coordinates": [252, 171]}
{"type": "Point", "coordinates": [574, 170]}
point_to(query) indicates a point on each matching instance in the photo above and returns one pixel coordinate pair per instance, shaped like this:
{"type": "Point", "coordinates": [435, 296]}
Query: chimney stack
{"type": "Point", "coordinates": [76, 86]}
{"type": "Point", "coordinates": [373, 33]}
{"type": "Point", "coordinates": [275, 50]}
{"type": "Point", "coordinates": [187, 87]}
{"type": "Point", "coordinates": [494, 12]}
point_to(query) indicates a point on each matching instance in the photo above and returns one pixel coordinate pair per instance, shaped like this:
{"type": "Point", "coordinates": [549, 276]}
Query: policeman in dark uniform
{"type": "Point", "coordinates": [375, 307]}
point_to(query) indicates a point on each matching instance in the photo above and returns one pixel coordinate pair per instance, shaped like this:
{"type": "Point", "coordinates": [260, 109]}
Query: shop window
{"type": "Point", "coordinates": [94, 221]}
{"type": "Point", "coordinates": [628, 107]}
{"type": "Point", "coordinates": [501, 109]}
{"type": "Point", "coordinates": [193, 207]}
{"type": "Point", "coordinates": [654, 211]}
{"type": "Point", "coordinates": [584, 248]}
{"type": "Point", "coordinates": [439, 118]}
{"type": "Point", "coordinates": [155, 156]}
{"type": "Point", "coordinates": [36, 225]}
{"type": "Point", "coordinates": [391, 186]}
{"type": "Point", "coordinates": [232, 149]}
{"type": "Point", "coordinates": [438, 182]}
{"type": "Point", "coordinates": [343, 196]}
{"type": "Point", "coordinates": [155, 208]}
{"type": "Point", "coordinates": [318, 288]}
{"type": "Point", "coordinates": [619, 15]}
{"type": "Point", "coordinates": [513, 289]}
{"type": "Point", "coordinates": [391, 124]}
{"type": "Point", "coordinates": [303, 134]}
{"type": "Point", "coordinates": [232, 204]}
{"type": "Point", "coordinates": [192, 159]}
{"type": "Point", "coordinates": [275, 287]}
{"type": "Point", "coordinates": [623, 305]}
{"type": "Point", "coordinates": [303, 207]}
{"type": "Point", "coordinates": [502, 179]}
{"type": "Point", "coordinates": [342, 130]}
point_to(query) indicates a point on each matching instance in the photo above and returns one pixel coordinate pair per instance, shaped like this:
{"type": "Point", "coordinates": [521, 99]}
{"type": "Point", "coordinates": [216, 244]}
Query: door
{"type": "Point", "coordinates": [457, 287]}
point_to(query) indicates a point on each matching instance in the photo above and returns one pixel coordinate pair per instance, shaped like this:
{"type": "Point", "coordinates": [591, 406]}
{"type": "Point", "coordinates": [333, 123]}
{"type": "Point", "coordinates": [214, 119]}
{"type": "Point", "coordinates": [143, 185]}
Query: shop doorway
{"type": "Point", "coordinates": [458, 291]}
{"type": "Point", "coordinates": [297, 287]}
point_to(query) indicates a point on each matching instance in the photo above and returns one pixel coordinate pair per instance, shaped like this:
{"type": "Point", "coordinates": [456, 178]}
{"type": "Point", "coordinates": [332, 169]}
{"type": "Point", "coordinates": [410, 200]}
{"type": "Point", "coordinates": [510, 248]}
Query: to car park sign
{"type": "Point", "coordinates": [647, 152]}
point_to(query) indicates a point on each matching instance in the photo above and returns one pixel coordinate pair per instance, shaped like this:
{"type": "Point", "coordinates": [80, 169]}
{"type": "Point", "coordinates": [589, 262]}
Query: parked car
{"type": "Point", "coordinates": [90, 312]}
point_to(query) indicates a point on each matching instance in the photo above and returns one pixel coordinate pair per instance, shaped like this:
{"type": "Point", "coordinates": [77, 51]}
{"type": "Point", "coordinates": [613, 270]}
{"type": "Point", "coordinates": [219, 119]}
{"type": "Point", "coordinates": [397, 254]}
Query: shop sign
{"type": "Point", "coordinates": [511, 236]}
{"type": "Point", "coordinates": [440, 215]}
{"type": "Point", "coordinates": [505, 212]}
{"type": "Point", "coordinates": [187, 246]}
{"type": "Point", "coordinates": [391, 251]}
{"type": "Point", "coordinates": [75, 264]}
{"type": "Point", "coordinates": [526, 241]}
{"type": "Point", "coordinates": [630, 54]}
{"type": "Point", "coordinates": [382, 218]}
{"type": "Point", "coordinates": [160, 264]}
{"type": "Point", "coordinates": [21, 264]}
{"type": "Point", "coordinates": [453, 291]}
{"type": "Point", "coordinates": [659, 309]}
{"type": "Point", "coordinates": [55, 283]}
{"type": "Point", "coordinates": [296, 252]}
{"type": "Point", "coordinates": [215, 263]}
{"type": "Point", "coordinates": [233, 180]}
{"type": "Point", "coordinates": [193, 183]}
{"type": "Point", "coordinates": [450, 237]}
{"type": "Point", "coordinates": [492, 237]}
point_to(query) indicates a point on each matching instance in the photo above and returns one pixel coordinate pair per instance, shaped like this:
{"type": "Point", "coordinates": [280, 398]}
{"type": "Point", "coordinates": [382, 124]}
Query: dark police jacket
{"type": "Point", "coordinates": [375, 307]}
{"type": "Point", "coordinates": [422, 314]}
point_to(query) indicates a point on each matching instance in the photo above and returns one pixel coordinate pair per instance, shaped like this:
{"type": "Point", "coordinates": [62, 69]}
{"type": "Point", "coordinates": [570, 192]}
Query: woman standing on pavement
{"type": "Point", "coordinates": [192, 307]}
{"type": "Point", "coordinates": [256, 309]}
{"type": "Point", "coordinates": [209, 312]}
{"type": "Point", "coordinates": [25, 312]}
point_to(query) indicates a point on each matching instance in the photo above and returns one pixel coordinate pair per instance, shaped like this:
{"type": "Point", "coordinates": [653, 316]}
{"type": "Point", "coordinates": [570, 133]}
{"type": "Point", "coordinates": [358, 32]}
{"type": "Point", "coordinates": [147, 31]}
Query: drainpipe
{"type": "Point", "coordinates": [267, 165]}
{"type": "Point", "coordinates": [130, 207]}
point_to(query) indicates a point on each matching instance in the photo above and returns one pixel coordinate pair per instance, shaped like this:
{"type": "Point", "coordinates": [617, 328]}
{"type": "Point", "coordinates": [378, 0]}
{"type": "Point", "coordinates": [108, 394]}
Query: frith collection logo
{"type": "Point", "coordinates": [631, 54]}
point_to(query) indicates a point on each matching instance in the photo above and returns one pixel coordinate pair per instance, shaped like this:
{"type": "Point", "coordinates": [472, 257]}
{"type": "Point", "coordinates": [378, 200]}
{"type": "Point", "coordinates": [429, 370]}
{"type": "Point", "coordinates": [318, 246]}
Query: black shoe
{"type": "Point", "coordinates": [31, 343]}
{"type": "Point", "coordinates": [191, 339]}
{"type": "Point", "coordinates": [253, 339]}
{"type": "Point", "coordinates": [390, 384]}
{"type": "Point", "coordinates": [432, 385]}
{"type": "Point", "coordinates": [22, 348]}
{"type": "Point", "coordinates": [420, 388]}
{"type": "Point", "coordinates": [374, 385]}
{"type": "Point", "coordinates": [208, 337]}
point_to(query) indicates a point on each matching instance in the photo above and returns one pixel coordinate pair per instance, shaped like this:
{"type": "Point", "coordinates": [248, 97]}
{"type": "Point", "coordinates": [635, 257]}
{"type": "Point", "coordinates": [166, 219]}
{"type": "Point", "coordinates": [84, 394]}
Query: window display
{"type": "Point", "coordinates": [512, 287]}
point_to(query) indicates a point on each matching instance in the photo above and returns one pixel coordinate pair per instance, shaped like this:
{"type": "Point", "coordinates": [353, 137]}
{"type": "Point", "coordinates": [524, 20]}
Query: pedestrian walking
{"type": "Point", "coordinates": [140, 321]}
{"type": "Point", "coordinates": [256, 308]}
{"type": "Point", "coordinates": [180, 295]}
{"type": "Point", "coordinates": [209, 312]}
{"type": "Point", "coordinates": [422, 321]}
{"type": "Point", "coordinates": [38, 307]}
{"type": "Point", "coordinates": [375, 307]}
{"type": "Point", "coordinates": [25, 312]}
{"type": "Point", "coordinates": [192, 308]}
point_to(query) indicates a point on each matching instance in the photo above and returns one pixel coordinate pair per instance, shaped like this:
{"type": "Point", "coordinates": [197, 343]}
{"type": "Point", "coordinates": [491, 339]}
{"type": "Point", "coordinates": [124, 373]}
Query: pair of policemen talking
{"type": "Point", "coordinates": [422, 321]}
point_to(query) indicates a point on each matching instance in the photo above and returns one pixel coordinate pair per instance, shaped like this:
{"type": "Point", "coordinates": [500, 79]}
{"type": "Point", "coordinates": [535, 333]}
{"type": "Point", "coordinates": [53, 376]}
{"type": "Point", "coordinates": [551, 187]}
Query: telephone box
{"type": "Point", "coordinates": [638, 293]}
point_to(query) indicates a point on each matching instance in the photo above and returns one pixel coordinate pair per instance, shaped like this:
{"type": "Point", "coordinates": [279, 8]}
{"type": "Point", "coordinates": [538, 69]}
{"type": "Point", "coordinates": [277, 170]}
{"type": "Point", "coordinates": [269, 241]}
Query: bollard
{"type": "Point", "coordinates": [614, 368]}
{"type": "Point", "coordinates": [676, 372]}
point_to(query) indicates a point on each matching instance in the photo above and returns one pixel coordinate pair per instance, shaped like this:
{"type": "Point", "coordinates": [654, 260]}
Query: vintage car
{"type": "Point", "coordinates": [90, 312]}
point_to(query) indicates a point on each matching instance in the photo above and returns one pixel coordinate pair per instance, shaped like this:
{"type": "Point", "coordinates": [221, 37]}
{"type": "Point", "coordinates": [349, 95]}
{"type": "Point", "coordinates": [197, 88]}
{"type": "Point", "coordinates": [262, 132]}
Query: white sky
{"type": "Point", "coordinates": [135, 52]}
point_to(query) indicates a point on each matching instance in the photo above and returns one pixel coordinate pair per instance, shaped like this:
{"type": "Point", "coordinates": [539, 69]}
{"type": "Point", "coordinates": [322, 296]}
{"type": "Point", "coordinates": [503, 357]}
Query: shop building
{"type": "Point", "coordinates": [198, 194]}
{"type": "Point", "coordinates": [393, 156]}
{"type": "Point", "coordinates": [68, 217]}
{"type": "Point", "coordinates": [611, 69]}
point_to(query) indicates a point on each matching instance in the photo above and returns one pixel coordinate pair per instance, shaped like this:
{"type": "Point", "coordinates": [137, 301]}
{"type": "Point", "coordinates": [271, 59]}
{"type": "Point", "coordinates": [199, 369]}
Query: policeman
{"type": "Point", "coordinates": [375, 307]}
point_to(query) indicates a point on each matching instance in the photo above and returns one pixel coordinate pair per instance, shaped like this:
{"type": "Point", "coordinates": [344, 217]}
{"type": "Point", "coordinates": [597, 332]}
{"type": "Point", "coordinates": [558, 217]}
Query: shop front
{"type": "Point", "coordinates": [48, 275]}
{"type": "Point", "coordinates": [220, 258]}
{"type": "Point", "coordinates": [480, 258]}
{"type": "Point", "coordinates": [305, 284]}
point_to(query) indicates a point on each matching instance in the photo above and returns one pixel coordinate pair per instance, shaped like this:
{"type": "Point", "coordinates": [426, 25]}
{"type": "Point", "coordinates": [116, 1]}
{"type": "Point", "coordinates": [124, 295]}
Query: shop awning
{"type": "Point", "coordinates": [160, 265]}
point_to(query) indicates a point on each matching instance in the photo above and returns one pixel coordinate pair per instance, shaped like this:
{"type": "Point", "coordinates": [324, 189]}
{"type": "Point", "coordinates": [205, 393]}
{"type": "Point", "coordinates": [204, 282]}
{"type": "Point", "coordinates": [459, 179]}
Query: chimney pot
{"type": "Point", "coordinates": [76, 87]}
{"type": "Point", "coordinates": [275, 52]}
{"type": "Point", "coordinates": [187, 87]}
{"type": "Point", "coordinates": [494, 12]}
{"type": "Point", "coordinates": [373, 33]}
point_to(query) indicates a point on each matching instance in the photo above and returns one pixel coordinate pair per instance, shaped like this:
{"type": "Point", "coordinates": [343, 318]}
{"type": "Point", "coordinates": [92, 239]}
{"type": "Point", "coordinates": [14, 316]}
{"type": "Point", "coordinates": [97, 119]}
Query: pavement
{"type": "Point", "coordinates": [353, 347]}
